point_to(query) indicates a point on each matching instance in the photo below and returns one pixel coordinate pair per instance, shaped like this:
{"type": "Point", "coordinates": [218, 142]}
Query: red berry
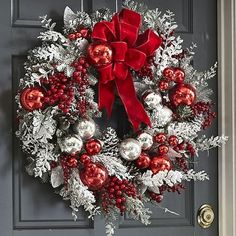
{"type": "Point", "coordinates": [85, 159]}
{"type": "Point", "coordinates": [173, 140]}
{"type": "Point", "coordinates": [72, 36]}
{"type": "Point", "coordinates": [163, 149]}
{"type": "Point", "coordinates": [168, 73]}
{"type": "Point", "coordinates": [163, 85]}
{"type": "Point", "coordinates": [160, 138]}
{"type": "Point", "coordinates": [72, 162]}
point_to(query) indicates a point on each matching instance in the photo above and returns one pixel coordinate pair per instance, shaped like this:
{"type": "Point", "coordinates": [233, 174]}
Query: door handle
{"type": "Point", "coordinates": [205, 216]}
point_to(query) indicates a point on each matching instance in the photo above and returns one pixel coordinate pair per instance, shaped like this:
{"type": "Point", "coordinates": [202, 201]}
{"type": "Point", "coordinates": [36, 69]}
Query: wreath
{"type": "Point", "coordinates": [132, 56]}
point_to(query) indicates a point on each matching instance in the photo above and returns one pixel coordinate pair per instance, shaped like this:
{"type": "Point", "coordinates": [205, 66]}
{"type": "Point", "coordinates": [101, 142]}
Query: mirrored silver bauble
{"type": "Point", "coordinates": [130, 149]}
{"type": "Point", "coordinates": [70, 144]}
{"type": "Point", "coordinates": [145, 140]}
{"type": "Point", "coordinates": [152, 99]}
{"type": "Point", "coordinates": [85, 128]}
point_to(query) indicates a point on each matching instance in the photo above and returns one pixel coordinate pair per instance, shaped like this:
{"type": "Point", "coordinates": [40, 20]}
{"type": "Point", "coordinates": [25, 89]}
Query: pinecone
{"type": "Point", "coordinates": [110, 142]}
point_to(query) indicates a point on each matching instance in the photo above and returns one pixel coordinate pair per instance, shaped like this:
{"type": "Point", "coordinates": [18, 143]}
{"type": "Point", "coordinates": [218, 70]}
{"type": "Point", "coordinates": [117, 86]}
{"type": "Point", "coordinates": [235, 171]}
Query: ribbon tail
{"type": "Point", "coordinates": [106, 96]}
{"type": "Point", "coordinates": [133, 106]}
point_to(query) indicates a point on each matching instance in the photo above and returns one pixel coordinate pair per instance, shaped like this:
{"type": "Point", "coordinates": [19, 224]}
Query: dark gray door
{"type": "Point", "coordinates": [30, 208]}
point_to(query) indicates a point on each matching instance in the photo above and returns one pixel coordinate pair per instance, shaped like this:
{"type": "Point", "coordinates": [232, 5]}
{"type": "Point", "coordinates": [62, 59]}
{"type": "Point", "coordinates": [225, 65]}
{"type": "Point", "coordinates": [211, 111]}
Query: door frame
{"type": "Point", "coordinates": [227, 115]}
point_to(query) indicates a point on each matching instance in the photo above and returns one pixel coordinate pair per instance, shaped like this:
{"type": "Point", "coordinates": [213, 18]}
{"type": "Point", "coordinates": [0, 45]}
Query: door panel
{"type": "Point", "coordinates": [29, 207]}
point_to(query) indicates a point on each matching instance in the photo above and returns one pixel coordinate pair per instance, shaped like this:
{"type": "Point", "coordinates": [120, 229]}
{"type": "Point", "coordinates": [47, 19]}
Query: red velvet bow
{"type": "Point", "coordinates": [130, 50]}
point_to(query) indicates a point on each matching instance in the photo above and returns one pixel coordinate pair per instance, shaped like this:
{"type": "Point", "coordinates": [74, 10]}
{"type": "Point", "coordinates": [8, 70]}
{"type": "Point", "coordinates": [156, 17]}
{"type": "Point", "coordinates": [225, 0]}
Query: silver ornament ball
{"type": "Point", "coordinates": [70, 144]}
{"type": "Point", "coordinates": [85, 128]}
{"type": "Point", "coordinates": [145, 140]}
{"type": "Point", "coordinates": [152, 99]}
{"type": "Point", "coordinates": [130, 149]}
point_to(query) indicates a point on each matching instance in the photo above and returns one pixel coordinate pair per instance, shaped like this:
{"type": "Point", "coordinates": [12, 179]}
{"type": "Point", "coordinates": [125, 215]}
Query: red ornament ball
{"type": "Point", "coordinates": [143, 161]}
{"type": "Point", "coordinates": [94, 176]}
{"type": "Point", "coordinates": [175, 74]}
{"type": "Point", "coordinates": [163, 85]}
{"type": "Point", "coordinates": [179, 75]}
{"type": "Point", "coordinates": [173, 140]}
{"type": "Point", "coordinates": [163, 149]}
{"type": "Point", "coordinates": [168, 73]}
{"type": "Point", "coordinates": [85, 159]}
{"type": "Point", "coordinates": [99, 54]}
{"type": "Point", "coordinates": [32, 98]}
{"type": "Point", "coordinates": [93, 147]}
{"type": "Point", "coordinates": [182, 94]}
{"type": "Point", "coordinates": [160, 163]}
{"type": "Point", "coordinates": [160, 138]}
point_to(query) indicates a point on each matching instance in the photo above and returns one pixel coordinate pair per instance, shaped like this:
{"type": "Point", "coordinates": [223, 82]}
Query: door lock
{"type": "Point", "coordinates": [205, 216]}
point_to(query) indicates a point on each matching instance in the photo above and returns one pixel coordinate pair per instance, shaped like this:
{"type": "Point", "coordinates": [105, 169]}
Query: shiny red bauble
{"type": "Point", "coordinates": [160, 163]}
{"type": "Point", "coordinates": [175, 74]}
{"type": "Point", "coordinates": [99, 54]}
{"type": "Point", "coordinates": [160, 138]}
{"type": "Point", "coordinates": [182, 94]}
{"type": "Point", "coordinates": [85, 159]}
{"type": "Point", "coordinates": [32, 98]}
{"type": "Point", "coordinates": [163, 85]}
{"type": "Point", "coordinates": [94, 176]}
{"type": "Point", "coordinates": [168, 73]}
{"type": "Point", "coordinates": [173, 140]}
{"type": "Point", "coordinates": [163, 149]}
{"type": "Point", "coordinates": [179, 75]}
{"type": "Point", "coordinates": [143, 161]}
{"type": "Point", "coordinates": [93, 147]}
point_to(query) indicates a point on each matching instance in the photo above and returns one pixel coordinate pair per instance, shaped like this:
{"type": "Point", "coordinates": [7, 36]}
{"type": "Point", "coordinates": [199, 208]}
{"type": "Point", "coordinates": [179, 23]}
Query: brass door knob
{"type": "Point", "coordinates": [205, 216]}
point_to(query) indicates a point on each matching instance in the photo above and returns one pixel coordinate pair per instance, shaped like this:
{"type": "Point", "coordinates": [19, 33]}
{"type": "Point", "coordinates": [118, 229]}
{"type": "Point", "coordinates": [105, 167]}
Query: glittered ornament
{"type": "Point", "coordinates": [70, 144]}
{"type": "Point", "coordinates": [130, 149]}
{"type": "Point", "coordinates": [160, 138]}
{"type": "Point", "coordinates": [160, 163]}
{"type": "Point", "coordinates": [163, 149]}
{"type": "Point", "coordinates": [143, 161]}
{"type": "Point", "coordinates": [182, 94]}
{"type": "Point", "coordinates": [94, 176]}
{"type": "Point", "coordinates": [145, 140]}
{"type": "Point", "coordinates": [85, 128]}
{"type": "Point", "coordinates": [31, 98]}
{"type": "Point", "coordinates": [151, 99]}
{"type": "Point", "coordinates": [93, 146]}
{"type": "Point", "coordinates": [173, 140]}
{"type": "Point", "coordinates": [99, 54]}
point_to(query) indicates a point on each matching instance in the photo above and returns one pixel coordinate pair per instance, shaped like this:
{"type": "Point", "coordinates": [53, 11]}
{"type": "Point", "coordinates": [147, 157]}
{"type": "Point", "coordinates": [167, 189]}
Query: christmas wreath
{"type": "Point", "coordinates": [133, 56]}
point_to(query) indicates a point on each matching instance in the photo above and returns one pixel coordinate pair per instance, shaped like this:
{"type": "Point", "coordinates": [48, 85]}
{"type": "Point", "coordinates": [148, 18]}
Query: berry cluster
{"type": "Point", "coordinates": [80, 77]}
{"type": "Point", "coordinates": [115, 192]}
{"type": "Point", "coordinates": [146, 70]}
{"type": "Point", "coordinates": [158, 197]}
{"type": "Point", "coordinates": [204, 108]}
{"type": "Point", "coordinates": [68, 162]}
{"type": "Point", "coordinates": [82, 33]}
{"type": "Point", "coordinates": [161, 138]}
{"type": "Point", "coordinates": [58, 91]}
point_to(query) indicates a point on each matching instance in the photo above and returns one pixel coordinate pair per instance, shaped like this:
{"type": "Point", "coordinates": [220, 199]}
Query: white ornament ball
{"type": "Point", "coordinates": [85, 128]}
{"type": "Point", "coordinates": [70, 144]}
{"type": "Point", "coordinates": [152, 99]}
{"type": "Point", "coordinates": [164, 116]}
{"type": "Point", "coordinates": [130, 149]}
{"type": "Point", "coordinates": [145, 140]}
